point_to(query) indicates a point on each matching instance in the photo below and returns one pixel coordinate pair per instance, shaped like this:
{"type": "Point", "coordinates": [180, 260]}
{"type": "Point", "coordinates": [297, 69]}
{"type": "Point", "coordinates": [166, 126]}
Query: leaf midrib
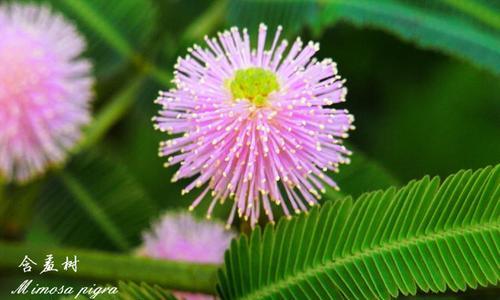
{"type": "Point", "coordinates": [114, 39]}
{"type": "Point", "coordinates": [388, 247]}
{"type": "Point", "coordinates": [85, 200]}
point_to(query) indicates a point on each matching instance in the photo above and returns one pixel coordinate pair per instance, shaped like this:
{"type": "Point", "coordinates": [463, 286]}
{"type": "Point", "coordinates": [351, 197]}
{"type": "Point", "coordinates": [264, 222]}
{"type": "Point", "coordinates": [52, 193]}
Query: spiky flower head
{"type": "Point", "coordinates": [45, 89]}
{"type": "Point", "coordinates": [179, 236]}
{"type": "Point", "coordinates": [255, 125]}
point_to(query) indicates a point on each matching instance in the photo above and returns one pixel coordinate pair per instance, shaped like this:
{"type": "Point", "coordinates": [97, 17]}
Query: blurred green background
{"type": "Point", "coordinates": [425, 102]}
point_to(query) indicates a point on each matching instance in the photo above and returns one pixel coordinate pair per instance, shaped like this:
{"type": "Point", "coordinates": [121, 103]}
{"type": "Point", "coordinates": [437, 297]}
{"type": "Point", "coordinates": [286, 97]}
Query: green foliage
{"type": "Point", "coordinates": [95, 202]}
{"type": "Point", "coordinates": [16, 208]}
{"type": "Point", "coordinates": [435, 24]}
{"type": "Point", "coordinates": [110, 114]}
{"type": "Point", "coordinates": [417, 113]}
{"type": "Point", "coordinates": [116, 30]}
{"type": "Point", "coordinates": [469, 29]}
{"type": "Point", "coordinates": [291, 14]}
{"type": "Point", "coordinates": [425, 236]}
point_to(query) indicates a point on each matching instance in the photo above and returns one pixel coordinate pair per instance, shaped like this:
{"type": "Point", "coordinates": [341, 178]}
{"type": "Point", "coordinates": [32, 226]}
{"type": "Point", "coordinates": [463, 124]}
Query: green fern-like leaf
{"type": "Point", "coordinates": [95, 202]}
{"type": "Point", "coordinates": [425, 236]}
{"type": "Point", "coordinates": [132, 291]}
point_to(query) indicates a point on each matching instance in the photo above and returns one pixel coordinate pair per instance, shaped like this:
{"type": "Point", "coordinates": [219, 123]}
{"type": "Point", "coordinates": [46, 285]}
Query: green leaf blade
{"type": "Point", "coordinates": [416, 21]}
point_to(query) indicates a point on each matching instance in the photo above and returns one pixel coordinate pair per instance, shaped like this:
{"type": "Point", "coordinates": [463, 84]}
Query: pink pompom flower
{"type": "Point", "coordinates": [45, 89]}
{"type": "Point", "coordinates": [180, 237]}
{"type": "Point", "coordinates": [256, 125]}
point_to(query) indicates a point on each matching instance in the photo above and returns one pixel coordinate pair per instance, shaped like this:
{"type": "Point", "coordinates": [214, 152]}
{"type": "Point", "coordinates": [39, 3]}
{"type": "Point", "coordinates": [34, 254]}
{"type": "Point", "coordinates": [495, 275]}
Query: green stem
{"type": "Point", "coordinates": [99, 25]}
{"type": "Point", "coordinates": [110, 114]}
{"type": "Point", "coordinates": [3, 199]}
{"type": "Point", "coordinates": [157, 74]}
{"type": "Point", "coordinates": [111, 267]}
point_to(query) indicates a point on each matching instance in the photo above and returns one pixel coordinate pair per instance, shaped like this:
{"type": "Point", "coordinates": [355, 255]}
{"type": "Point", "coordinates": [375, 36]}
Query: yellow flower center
{"type": "Point", "coordinates": [254, 85]}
